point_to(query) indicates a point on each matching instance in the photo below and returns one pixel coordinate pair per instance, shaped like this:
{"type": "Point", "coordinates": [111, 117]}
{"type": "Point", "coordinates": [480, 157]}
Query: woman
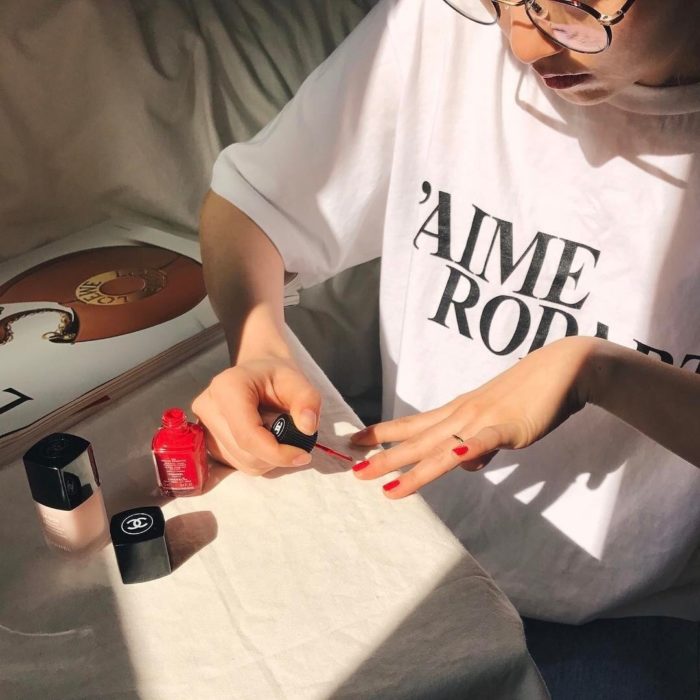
{"type": "Point", "coordinates": [534, 203]}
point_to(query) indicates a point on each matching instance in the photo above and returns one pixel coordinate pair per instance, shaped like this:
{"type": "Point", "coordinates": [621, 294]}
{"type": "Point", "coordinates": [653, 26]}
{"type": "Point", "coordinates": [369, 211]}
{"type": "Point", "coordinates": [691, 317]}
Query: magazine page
{"type": "Point", "coordinates": [84, 310]}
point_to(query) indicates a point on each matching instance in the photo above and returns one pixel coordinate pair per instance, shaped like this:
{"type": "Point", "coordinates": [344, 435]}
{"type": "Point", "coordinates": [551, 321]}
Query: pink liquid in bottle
{"type": "Point", "coordinates": [180, 455]}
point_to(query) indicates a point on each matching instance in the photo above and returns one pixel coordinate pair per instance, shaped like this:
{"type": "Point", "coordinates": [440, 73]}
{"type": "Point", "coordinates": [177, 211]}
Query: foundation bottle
{"type": "Point", "coordinates": [65, 486]}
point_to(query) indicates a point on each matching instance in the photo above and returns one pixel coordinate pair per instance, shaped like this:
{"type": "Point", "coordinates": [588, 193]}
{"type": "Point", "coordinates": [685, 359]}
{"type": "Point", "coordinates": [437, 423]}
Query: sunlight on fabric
{"type": "Point", "coordinates": [528, 494]}
{"type": "Point", "coordinates": [584, 514]}
{"type": "Point", "coordinates": [341, 428]}
{"type": "Point", "coordinates": [496, 476]}
{"type": "Point", "coordinates": [581, 512]}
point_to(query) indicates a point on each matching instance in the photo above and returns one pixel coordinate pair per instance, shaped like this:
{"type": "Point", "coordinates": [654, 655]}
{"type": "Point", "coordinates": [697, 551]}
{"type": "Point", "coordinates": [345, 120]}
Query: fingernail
{"type": "Point", "coordinates": [301, 460]}
{"type": "Point", "coordinates": [308, 421]}
{"type": "Point", "coordinates": [391, 485]}
{"type": "Point", "coordinates": [359, 434]}
{"type": "Point", "coordinates": [460, 450]}
{"type": "Point", "coordinates": [360, 465]}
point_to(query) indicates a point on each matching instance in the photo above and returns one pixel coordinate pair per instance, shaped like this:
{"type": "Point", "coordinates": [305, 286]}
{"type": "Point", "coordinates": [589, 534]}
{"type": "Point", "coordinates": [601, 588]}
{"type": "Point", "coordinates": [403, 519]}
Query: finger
{"type": "Point", "coordinates": [446, 457]}
{"type": "Point", "coordinates": [227, 451]}
{"type": "Point", "coordinates": [302, 400]}
{"type": "Point", "coordinates": [231, 403]}
{"type": "Point", "coordinates": [478, 464]}
{"type": "Point", "coordinates": [441, 460]}
{"type": "Point", "coordinates": [409, 451]}
{"type": "Point", "coordinates": [231, 413]}
{"type": "Point", "coordinates": [418, 446]}
{"type": "Point", "coordinates": [402, 428]}
{"type": "Point", "coordinates": [480, 449]}
{"type": "Point", "coordinates": [243, 463]}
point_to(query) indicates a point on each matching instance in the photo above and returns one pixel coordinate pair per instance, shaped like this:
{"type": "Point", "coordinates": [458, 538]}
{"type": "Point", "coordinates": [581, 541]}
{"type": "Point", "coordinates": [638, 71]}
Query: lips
{"type": "Point", "coordinates": [565, 80]}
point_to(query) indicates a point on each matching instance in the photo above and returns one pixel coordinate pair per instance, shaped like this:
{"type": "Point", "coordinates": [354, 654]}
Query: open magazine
{"type": "Point", "coordinates": [87, 318]}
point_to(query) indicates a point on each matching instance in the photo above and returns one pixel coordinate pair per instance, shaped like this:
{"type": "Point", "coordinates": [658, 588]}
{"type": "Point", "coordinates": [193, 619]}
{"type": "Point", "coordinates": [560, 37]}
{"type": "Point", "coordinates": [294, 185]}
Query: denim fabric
{"type": "Point", "coordinates": [640, 658]}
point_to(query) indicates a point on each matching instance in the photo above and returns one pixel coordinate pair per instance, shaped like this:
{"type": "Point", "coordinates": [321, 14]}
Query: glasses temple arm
{"type": "Point", "coordinates": [609, 20]}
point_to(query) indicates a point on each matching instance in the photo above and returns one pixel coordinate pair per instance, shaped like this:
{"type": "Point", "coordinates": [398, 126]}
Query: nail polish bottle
{"type": "Point", "coordinates": [65, 486]}
{"type": "Point", "coordinates": [180, 455]}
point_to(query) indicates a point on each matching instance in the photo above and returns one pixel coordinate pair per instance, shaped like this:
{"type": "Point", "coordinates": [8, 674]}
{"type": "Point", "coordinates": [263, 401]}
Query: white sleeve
{"type": "Point", "coordinates": [316, 178]}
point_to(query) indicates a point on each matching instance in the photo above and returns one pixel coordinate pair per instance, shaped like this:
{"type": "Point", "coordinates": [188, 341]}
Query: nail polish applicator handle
{"type": "Point", "coordinates": [287, 433]}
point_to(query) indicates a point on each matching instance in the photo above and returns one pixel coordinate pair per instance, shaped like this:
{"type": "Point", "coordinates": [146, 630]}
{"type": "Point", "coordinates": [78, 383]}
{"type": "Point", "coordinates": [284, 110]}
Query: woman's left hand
{"type": "Point", "coordinates": [511, 411]}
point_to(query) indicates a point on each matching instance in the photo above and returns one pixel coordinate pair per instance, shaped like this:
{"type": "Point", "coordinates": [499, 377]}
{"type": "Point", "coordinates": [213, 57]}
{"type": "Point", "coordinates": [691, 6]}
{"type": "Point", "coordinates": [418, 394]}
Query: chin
{"type": "Point", "coordinates": [587, 97]}
{"type": "Point", "coordinates": [594, 91]}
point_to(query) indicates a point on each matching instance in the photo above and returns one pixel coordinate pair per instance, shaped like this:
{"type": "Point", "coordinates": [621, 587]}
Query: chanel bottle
{"type": "Point", "coordinates": [66, 489]}
{"type": "Point", "coordinates": [180, 455]}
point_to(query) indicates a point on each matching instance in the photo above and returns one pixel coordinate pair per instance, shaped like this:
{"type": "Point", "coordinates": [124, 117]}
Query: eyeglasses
{"type": "Point", "coordinates": [569, 23]}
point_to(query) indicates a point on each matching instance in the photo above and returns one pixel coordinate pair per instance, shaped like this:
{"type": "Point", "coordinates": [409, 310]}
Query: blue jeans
{"type": "Point", "coordinates": [636, 658]}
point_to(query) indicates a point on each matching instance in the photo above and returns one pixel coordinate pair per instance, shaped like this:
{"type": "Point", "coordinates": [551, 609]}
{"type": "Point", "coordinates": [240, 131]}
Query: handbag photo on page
{"type": "Point", "coordinates": [87, 317]}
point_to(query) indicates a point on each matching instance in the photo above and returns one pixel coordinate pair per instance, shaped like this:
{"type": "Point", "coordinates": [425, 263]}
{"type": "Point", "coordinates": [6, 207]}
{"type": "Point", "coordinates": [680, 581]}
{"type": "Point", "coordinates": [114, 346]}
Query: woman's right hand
{"type": "Point", "coordinates": [230, 410]}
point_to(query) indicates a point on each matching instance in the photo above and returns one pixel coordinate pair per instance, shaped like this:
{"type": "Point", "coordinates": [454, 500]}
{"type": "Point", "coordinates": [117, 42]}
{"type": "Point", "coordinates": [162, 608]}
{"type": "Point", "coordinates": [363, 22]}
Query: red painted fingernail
{"type": "Point", "coordinates": [391, 485]}
{"type": "Point", "coordinates": [460, 450]}
{"type": "Point", "coordinates": [360, 465]}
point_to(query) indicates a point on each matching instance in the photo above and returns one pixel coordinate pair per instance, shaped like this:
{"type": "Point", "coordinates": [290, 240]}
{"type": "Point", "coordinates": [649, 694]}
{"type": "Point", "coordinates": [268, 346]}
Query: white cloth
{"type": "Point", "coordinates": [505, 218]}
{"type": "Point", "coordinates": [307, 586]}
{"type": "Point", "coordinates": [112, 109]}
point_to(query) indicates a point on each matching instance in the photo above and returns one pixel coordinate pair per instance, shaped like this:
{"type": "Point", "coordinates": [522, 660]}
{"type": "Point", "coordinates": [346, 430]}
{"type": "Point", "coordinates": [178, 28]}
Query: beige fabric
{"type": "Point", "coordinates": [112, 107]}
{"type": "Point", "coordinates": [300, 586]}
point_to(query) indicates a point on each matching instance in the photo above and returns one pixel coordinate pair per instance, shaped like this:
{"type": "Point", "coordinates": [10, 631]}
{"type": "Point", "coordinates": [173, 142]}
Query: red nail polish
{"type": "Point", "coordinates": [460, 450]}
{"type": "Point", "coordinates": [360, 465]}
{"type": "Point", "coordinates": [391, 485]}
{"type": "Point", "coordinates": [180, 455]}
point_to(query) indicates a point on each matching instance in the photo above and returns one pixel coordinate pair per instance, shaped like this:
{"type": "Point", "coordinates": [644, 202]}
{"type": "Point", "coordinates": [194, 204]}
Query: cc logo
{"type": "Point", "coordinates": [56, 446]}
{"type": "Point", "coordinates": [278, 426]}
{"type": "Point", "coordinates": [137, 524]}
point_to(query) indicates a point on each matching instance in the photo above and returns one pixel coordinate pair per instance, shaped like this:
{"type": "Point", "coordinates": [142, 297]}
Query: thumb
{"type": "Point", "coordinates": [305, 415]}
{"type": "Point", "coordinates": [303, 401]}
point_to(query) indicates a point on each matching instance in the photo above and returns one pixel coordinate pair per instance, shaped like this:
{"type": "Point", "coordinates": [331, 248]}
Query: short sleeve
{"type": "Point", "coordinates": [316, 178]}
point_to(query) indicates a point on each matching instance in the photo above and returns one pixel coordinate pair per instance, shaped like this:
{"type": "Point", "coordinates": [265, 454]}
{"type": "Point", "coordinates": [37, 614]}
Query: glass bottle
{"type": "Point", "coordinates": [180, 455]}
{"type": "Point", "coordinates": [65, 486]}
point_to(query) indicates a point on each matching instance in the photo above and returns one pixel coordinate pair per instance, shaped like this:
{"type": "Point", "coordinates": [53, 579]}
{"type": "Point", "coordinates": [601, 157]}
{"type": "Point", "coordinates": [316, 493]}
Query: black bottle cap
{"type": "Point", "coordinates": [288, 434]}
{"type": "Point", "coordinates": [138, 536]}
{"type": "Point", "coordinates": [61, 471]}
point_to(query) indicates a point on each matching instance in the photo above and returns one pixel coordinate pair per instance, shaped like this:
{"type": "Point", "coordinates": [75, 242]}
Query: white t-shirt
{"type": "Point", "coordinates": [505, 218]}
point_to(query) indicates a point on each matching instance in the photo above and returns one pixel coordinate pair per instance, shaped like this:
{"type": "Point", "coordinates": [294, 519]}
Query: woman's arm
{"type": "Point", "coordinates": [244, 275]}
{"type": "Point", "coordinates": [532, 398]}
{"type": "Point", "coordinates": [658, 399]}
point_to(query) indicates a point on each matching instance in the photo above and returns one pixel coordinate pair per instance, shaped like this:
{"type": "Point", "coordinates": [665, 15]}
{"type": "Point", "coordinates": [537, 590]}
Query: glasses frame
{"type": "Point", "coordinates": [605, 20]}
